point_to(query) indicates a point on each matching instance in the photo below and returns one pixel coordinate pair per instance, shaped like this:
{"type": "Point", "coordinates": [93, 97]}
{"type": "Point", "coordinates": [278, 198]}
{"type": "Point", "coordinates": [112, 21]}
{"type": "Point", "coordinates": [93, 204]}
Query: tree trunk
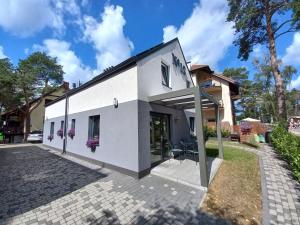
{"type": "Point", "coordinates": [279, 86]}
{"type": "Point", "coordinates": [27, 124]}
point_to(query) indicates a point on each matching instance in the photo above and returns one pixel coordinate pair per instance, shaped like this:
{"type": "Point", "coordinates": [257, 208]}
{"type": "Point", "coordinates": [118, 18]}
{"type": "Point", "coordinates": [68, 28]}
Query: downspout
{"type": "Point", "coordinates": [66, 124]}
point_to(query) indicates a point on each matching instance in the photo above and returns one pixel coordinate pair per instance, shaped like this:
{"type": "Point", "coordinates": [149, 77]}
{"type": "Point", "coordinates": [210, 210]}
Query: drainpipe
{"type": "Point", "coordinates": [66, 124]}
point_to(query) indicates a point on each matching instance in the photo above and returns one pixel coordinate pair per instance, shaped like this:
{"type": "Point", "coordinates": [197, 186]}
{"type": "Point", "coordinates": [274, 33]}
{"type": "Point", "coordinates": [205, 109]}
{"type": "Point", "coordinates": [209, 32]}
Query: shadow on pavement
{"type": "Point", "coordinates": [161, 216]}
{"type": "Point", "coordinates": [31, 177]}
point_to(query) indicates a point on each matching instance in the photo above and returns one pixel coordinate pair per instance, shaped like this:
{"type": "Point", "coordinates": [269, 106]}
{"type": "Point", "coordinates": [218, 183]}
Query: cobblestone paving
{"type": "Point", "coordinates": [39, 187]}
{"type": "Point", "coordinates": [282, 191]}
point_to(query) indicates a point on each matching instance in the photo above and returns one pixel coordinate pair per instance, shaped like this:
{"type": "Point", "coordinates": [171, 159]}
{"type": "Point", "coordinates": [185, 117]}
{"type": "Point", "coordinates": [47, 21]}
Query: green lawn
{"type": "Point", "coordinates": [234, 194]}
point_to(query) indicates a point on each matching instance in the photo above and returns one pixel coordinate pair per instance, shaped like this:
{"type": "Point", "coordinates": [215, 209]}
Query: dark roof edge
{"type": "Point", "coordinates": [118, 68]}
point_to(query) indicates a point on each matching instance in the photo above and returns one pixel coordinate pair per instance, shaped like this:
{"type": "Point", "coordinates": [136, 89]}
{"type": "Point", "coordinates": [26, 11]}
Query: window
{"type": "Point", "coordinates": [62, 124]}
{"type": "Point", "coordinates": [165, 75]}
{"type": "Point", "coordinates": [73, 124]}
{"type": "Point", "coordinates": [192, 123]}
{"type": "Point", "coordinates": [188, 84]}
{"type": "Point", "coordinates": [52, 128]}
{"type": "Point", "coordinates": [94, 124]}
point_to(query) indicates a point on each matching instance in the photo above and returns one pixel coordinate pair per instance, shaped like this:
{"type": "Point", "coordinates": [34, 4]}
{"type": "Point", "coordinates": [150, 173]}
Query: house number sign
{"type": "Point", "coordinates": [178, 64]}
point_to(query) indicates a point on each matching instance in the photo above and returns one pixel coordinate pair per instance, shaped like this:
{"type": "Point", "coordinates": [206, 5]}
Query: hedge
{"type": "Point", "coordinates": [211, 132]}
{"type": "Point", "coordinates": [287, 145]}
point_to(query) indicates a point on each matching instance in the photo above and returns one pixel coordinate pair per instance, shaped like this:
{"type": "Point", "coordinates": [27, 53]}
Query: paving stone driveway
{"type": "Point", "coordinates": [281, 192]}
{"type": "Point", "coordinates": [39, 187]}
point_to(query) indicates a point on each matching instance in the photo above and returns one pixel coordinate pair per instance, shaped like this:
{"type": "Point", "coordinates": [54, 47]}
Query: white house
{"type": "Point", "coordinates": [120, 112]}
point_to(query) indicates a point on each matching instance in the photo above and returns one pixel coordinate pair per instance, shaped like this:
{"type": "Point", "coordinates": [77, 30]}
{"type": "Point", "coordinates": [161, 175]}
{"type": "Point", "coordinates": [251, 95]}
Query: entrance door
{"type": "Point", "coordinates": [159, 137]}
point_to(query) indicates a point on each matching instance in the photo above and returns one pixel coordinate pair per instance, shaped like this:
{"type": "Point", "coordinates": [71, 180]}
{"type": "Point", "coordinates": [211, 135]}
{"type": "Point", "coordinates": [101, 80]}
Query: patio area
{"type": "Point", "coordinates": [196, 171]}
{"type": "Point", "coordinates": [186, 170]}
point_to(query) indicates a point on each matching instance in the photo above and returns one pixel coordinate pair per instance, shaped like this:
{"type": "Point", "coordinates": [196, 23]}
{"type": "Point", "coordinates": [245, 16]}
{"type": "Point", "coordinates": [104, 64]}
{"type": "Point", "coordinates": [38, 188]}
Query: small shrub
{"type": "Point", "coordinates": [287, 145]}
{"type": "Point", "coordinates": [253, 142]}
{"type": "Point", "coordinates": [225, 133]}
{"type": "Point", "coordinates": [71, 133]}
{"type": "Point", "coordinates": [92, 143]}
{"type": "Point", "coordinates": [50, 137]}
{"type": "Point", "coordinates": [60, 133]}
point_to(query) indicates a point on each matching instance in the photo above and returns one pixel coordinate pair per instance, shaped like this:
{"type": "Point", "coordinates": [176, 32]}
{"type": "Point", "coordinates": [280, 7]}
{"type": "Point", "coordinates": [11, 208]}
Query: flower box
{"type": "Point", "coordinates": [92, 143]}
{"type": "Point", "coordinates": [71, 133]}
{"type": "Point", "coordinates": [50, 137]}
{"type": "Point", "coordinates": [60, 133]}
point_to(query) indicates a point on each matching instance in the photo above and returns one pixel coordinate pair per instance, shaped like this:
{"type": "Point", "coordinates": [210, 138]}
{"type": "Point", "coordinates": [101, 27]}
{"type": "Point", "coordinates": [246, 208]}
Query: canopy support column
{"type": "Point", "coordinates": [219, 133]}
{"type": "Point", "coordinates": [200, 138]}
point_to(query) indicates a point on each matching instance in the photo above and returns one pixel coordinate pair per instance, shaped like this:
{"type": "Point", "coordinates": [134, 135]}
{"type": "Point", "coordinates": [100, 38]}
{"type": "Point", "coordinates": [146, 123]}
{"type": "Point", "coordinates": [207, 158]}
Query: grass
{"type": "Point", "coordinates": [235, 192]}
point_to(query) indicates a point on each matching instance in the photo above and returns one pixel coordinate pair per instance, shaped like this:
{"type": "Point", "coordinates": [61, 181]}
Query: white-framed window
{"type": "Point", "coordinates": [94, 127]}
{"type": "Point", "coordinates": [165, 72]}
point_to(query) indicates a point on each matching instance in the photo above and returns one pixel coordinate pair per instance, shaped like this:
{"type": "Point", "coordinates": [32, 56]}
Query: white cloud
{"type": "Point", "coordinates": [26, 17]}
{"type": "Point", "coordinates": [292, 55]}
{"type": "Point", "coordinates": [74, 69]}
{"type": "Point", "coordinates": [295, 83]}
{"type": "Point", "coordinates": [205, 35]}
{"type": "Point", "coordinates": [2, 55]}
{"type": "Point", "coordinates": [107, 37]}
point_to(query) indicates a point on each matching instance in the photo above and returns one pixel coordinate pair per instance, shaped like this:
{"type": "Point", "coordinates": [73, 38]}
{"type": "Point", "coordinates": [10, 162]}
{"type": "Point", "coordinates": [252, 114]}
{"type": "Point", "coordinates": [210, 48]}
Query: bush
{"type": "Point", "coordinates": [225, 133]}
{"type": "Point", "coordinates": [287, 145]}
{"type": "Point", "coordinates": [211, 132]}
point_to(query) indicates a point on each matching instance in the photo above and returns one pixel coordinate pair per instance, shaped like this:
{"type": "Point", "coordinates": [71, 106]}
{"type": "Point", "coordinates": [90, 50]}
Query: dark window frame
{"type": "Point", "coordinates": [192, 123]}
{"type": "Point", "coordinates": [165, 80]}
{"type": "Point", "coordinates": [62, 124]}
{"type": "Point", "coordinates": [52, 124]}
{"type": "Point", "coordinates": [73, 124]}
{"type": "Point", "coordinates": [93, 130]}
{"type": "Point", "coordinates": [188, 84]}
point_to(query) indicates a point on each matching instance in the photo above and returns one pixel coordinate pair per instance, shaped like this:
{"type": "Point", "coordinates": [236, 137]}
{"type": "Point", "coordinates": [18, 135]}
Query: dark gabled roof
{"type": "Point", "coordinates": [201, 67]}
{"type": "Point", "coordinates": [228, 79]}
{"type": "Point", "coordinates": [207, 69]}
{"type": "Point", "coordinates": [115, 69]}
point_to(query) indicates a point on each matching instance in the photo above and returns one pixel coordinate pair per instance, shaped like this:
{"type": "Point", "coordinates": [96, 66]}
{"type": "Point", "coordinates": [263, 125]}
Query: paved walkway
{"type": "Point", "coordinates": [281, 193]}
{"type": "Point", "coordinates": [39, 187]}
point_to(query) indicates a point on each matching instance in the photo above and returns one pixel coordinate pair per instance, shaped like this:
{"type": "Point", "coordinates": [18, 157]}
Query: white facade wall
{"type": "Point", "coordinates": [55, 110]}
{"type": "Point", "coordinates": [227, 104]}
{"type": "Point", "coordinates": [122, 86]}
{"type": "Point", "coordinates": [150, 76]}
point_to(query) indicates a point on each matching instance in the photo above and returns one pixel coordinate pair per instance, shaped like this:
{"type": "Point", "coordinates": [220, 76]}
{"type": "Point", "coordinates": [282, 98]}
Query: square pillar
{"type": "Point", "coordinates": [200, 138]}
{"type": "Point", "coordinates": [219, 133]}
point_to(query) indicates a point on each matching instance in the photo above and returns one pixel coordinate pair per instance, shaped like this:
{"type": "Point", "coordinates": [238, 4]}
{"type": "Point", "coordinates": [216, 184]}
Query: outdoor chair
{"type": "Point", "coordinates": [174, 150]}
{"type": "Point", "coordinates": [190, 149]}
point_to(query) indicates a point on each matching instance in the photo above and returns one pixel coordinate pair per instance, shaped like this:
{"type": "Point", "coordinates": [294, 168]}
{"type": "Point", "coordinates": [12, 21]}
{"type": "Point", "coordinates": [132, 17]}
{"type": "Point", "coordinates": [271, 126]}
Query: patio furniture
{"type": "Point", "coordinates": [174, 150]}
{"type": "Point", "coordinates": [190, 148]}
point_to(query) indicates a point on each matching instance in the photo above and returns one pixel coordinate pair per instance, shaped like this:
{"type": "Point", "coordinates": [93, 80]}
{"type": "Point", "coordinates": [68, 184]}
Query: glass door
{"type": "Point", "coordinates": [159, 137]}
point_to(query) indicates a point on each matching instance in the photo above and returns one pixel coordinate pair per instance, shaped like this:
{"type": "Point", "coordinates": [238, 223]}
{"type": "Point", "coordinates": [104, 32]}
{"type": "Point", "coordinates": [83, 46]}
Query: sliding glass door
{"type": "Point", "coordinates": [159, 137]}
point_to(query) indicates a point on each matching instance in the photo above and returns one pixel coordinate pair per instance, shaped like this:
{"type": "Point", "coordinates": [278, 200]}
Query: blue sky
{"type": "Point", "coordinates": [87, 36]}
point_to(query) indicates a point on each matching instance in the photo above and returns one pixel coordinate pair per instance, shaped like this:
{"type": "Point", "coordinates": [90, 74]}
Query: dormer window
{"type": "Point", "coordinates": [165, 75]}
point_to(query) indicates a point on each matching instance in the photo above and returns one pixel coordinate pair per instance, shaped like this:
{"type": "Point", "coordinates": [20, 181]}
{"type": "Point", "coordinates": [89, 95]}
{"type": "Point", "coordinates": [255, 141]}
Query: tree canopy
{"type": "Point", "coordinates": [263, 22]}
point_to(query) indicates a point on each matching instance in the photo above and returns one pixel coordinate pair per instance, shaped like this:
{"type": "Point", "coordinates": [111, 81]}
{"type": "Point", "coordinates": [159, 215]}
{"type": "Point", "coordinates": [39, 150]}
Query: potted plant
{"type": "Point", "coordinates": [50, 137]}
{"type": "Point", "coordinates": [60, 133]}
{"type": "Point", "coordinates": [92, 143]}
{"type": "Point", "coordinates": [71, 133]}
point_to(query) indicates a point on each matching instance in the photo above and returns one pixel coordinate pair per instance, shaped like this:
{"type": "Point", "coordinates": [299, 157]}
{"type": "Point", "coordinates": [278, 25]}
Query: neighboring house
{"type": "Point", "coordinates": [119, 119]}
{"type": "Point", "coordinates": [14, 120]}
{"type": "Point", "coordinates": [222, 88]}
